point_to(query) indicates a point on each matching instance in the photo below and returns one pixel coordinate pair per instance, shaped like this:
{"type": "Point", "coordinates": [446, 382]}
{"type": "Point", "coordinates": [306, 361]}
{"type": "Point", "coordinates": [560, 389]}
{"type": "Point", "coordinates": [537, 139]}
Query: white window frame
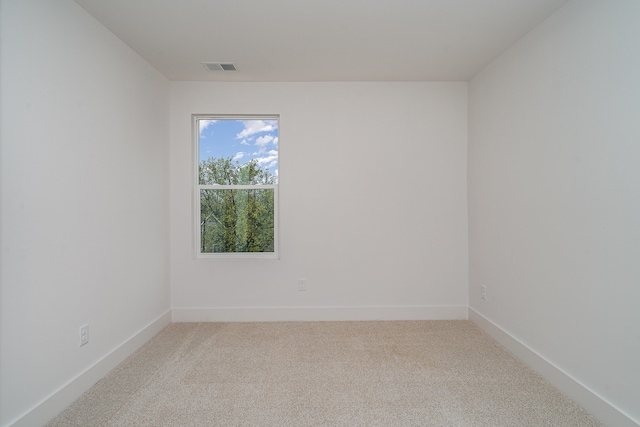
{"type": "Point", "coordinates": [197, 219]}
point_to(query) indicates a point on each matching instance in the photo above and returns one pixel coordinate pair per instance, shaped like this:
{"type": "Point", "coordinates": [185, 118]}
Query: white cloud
{"type": "Point", "coordinates": [205, 124]}
{"type": "Point", "coordinates": [244, 142]}
{"type": "Point", "coordinates": [264, 140]}
{"type": "Point", "coordinates": [275, 141]}
{"type": "Point", "coordinates": [263, 150]}
{"type": "Point", "coordinates": [239, 155]}
{"type": "Point", "coordinates": [269, 161]}
{"type": "Point", "coordinates": [252, 127]}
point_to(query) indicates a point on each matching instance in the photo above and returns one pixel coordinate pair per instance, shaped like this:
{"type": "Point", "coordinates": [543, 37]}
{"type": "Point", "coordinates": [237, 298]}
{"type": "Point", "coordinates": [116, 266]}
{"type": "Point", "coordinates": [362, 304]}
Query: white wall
{"type": "Point", "coordinates": [372, 203]}
{"type": "Point", "coordinates": [84, 197]}
{"type": "Point", "coordinates": [554, 195]}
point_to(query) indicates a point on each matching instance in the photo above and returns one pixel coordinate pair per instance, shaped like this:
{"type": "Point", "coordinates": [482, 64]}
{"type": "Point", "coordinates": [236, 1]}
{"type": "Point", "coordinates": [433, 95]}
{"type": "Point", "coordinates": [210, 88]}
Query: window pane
{"type": "Point", "coordinates": [236, 220]}
{"type": "Point", "coordinates": [238, 151]}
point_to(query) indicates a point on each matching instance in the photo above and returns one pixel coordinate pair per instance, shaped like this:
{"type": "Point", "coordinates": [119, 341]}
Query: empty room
{"type": "Point", "coordinates": [298, 213]}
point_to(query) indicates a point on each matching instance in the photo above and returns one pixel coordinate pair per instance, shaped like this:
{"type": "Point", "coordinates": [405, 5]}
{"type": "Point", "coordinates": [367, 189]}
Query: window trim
{"type": "Point", "coordinates": [196, 208]}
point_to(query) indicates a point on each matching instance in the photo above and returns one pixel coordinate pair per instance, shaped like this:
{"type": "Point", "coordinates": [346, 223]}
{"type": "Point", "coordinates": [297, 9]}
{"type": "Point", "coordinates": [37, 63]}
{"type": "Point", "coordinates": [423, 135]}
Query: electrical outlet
{"type": "Point", "coordinates": [483, 292]}
{"type": "Point", "coordinates": [302, 284]}
{"type": "Point", "coordinates": [84, 335]}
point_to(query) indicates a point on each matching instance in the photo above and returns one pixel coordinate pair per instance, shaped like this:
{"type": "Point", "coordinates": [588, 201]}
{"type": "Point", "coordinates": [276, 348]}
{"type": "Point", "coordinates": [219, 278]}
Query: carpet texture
{"type": "Point", "coordinates": [405, 373]}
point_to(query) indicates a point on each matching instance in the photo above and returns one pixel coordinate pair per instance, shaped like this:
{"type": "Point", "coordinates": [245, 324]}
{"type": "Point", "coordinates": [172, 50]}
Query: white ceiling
{"type": "Point", "coordinates": [321, 40]}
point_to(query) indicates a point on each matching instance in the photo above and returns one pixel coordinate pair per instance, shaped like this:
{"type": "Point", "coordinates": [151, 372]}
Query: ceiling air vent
{"type": "Point", "coordinates": [219, 66]}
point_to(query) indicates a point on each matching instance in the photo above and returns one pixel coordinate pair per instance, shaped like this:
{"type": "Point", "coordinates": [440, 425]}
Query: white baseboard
{"type": "Point", "coordinates": [67, 394]}
{"type": "Point", "coordinates": [588, 399]}
{"type": "Point", "coordinates": [278, 314]}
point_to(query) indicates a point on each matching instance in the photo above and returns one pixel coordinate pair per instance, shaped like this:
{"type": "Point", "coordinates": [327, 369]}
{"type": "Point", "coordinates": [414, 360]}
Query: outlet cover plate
{"type": "Point", "coordinates": [84, 335]}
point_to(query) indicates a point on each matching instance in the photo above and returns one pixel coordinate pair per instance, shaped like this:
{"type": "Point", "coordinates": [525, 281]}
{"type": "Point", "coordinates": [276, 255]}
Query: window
{"type": "Point", "coordinates": [236, 186]}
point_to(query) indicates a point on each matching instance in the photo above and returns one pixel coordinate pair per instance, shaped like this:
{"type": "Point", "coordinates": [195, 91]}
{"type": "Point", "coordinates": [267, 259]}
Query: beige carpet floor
{"type": "Point", "coordinates": [409, 373]}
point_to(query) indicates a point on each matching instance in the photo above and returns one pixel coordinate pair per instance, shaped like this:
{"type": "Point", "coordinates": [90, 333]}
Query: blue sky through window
{"type": "Point", "coordinates": [242, 140]}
